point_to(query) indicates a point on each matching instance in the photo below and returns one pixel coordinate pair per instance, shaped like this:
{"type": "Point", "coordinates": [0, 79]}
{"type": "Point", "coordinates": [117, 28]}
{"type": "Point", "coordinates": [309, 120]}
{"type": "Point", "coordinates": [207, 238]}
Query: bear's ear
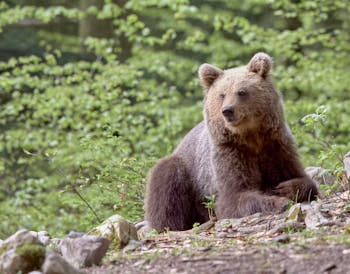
{"type": "Point", "coordinates": [207, 74]}
{"type": "Point", "coordinates": [260, 64]}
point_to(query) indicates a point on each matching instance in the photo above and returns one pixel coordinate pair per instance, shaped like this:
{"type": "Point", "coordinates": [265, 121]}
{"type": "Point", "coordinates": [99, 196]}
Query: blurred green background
{"type": "Point", "coordinates": [93, 92]}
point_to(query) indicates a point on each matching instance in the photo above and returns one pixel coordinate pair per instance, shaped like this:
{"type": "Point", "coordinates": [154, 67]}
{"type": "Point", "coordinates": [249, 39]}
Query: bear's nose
{"type": "Point", "coordinates": [227, 111]}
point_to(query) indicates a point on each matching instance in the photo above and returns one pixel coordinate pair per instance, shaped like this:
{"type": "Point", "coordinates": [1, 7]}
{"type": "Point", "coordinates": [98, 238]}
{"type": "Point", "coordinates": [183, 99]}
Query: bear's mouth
{"type": "Point", "coordinates": [233, 122]}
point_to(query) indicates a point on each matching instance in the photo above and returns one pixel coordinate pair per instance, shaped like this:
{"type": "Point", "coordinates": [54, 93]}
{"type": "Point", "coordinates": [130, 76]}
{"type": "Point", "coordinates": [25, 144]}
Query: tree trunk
{"type": "Point", "coordinates": [90, 26]}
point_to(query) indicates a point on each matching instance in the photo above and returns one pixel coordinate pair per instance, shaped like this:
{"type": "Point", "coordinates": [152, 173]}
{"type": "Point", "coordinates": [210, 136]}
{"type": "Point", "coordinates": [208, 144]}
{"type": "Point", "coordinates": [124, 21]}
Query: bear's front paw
{"type": "Point", "coordinates": [289, 189]}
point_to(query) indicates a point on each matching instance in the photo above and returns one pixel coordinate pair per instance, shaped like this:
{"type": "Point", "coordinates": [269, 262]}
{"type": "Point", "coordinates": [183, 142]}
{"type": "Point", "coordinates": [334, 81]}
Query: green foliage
{"type": "Point", "coordinates": [94, 115]}
{"type": "Point", "coordinates": [33, 254]}
{"type": "Point", "coordinates": [210, 205]}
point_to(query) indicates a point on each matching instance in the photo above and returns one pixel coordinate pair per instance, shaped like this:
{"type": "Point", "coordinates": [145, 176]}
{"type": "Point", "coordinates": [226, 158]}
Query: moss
{"type": "Point", "coordinates": [3, 249]}
{"type": "Point", "coordinates": [33, 254]}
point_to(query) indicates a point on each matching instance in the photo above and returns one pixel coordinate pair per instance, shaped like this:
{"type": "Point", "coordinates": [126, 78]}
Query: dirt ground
{"type": "Point", "coordinates": [316, 258]}
{"type": "Point", "coordinates": [316, 240]}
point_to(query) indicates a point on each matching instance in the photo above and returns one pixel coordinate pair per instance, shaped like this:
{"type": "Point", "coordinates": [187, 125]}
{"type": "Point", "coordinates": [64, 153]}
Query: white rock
{"type": "Point", "coordinates": [313, 216]}
{"type": "Point", "coordinates": [346, 163]}
{"type": "Point", "coordinates": [321, 177]}
{"type": "Point", "coordinates": [84, 251]}
{"type": "Point", "coordinates": [35, 272]}
{"type": "Point", "coordinates": [12, 263]}
{"type": "Point", "coordinates": [74, 234]}
{"type": "Point", "coordinates": [145, 232]}
{"type": "Point", "coordinates": [23, 259]}
{"type": "Point", "coordinates": [21, 237]}
{"type": "Point", "coordinates": [294, 213]}
{"type": "Point", "coordinates": [55, 264]}
{"type": "Point", "coordinates": [132, 245]}
{"type": "Point", "coordinates": [141, 224]}
{"type": "Point", "coordinates": [116, 229]}
{"type": "Point", "coordinates": [44, 237]}
{"type": "Point", "coordinates": [225, 224]}
{"type": "Point", "coordinates": [55, 243]}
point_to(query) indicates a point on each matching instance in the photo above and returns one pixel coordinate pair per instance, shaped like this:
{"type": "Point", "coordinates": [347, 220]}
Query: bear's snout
{"type": "Point", "coordinates": [228, 112]}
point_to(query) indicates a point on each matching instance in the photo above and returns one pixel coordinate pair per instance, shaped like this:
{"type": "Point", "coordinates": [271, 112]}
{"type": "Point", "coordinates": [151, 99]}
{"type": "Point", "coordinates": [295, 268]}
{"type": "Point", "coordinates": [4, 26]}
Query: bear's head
{"type": "Point", "coordinates": [241, 103]}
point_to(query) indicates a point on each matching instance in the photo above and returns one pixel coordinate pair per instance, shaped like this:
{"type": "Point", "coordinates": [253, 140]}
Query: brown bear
{"type": "Point", "coordinates": [243, 151]}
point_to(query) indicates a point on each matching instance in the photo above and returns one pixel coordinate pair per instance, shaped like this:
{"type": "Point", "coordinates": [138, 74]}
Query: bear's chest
{"type": "Point", "coordinates": [271, 169]}
{"type": "Point", "coordinates": [248, 169]}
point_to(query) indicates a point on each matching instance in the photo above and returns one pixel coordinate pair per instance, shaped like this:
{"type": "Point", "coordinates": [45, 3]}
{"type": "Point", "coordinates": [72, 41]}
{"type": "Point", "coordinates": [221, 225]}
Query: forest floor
{"type": "Point", "coordinates": [306, 239]}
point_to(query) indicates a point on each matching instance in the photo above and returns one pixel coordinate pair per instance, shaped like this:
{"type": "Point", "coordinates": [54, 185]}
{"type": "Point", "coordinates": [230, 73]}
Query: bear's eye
{"type": "Point", "coordinates": [222, 96]}
{"type": "Point", "coordinates": [242, 93]}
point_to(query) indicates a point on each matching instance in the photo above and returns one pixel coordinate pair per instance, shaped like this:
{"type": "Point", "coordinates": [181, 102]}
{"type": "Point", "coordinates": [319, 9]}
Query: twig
{"type": "Point", "coordinates": [60, 171]}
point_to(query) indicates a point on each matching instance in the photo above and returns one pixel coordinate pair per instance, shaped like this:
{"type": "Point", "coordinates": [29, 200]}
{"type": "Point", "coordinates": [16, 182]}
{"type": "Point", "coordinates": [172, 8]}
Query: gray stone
{"type": "Point", "coordinates": [55, 243]}
{"type": "Point", "coordinates": [84, 251]}
{"type": "Point", "coordinates": [12, 263]}
{"type": "Point", "coordinates": [294, 213]}
{"type": "Point", "coordinates": [73, 234]}
{"type": "Point", "coordinates": [44, 238]}
{"type": "Point", "coordinates": [281, 239]}
{"type": "Point", "coordinates": [346, 164]}
{"type": "Point", "coordinates": [117, 229]}
{"type": "Point", "coordinates": [286, 226]}
{"type": "Point", "coordinates": [144, 232]}
{"type": "Point", "coordinates": [141, 224]}
{"type": "Point", "coordinates": [21, 237]}
{"type": "Point", "coordinates": [55, 264]}
{"type": "Point", "coordinates": [221, 235]}
{"type": "Point", "coordinates": [321, 177]}
{"type": "Point", "coordinates": [132, 246]}
{"type": "Point", "coordinates": [314, 217]}
{"type": "Point", "coordinates": [23, 259]}
{"type": "Point", "coordinates": [225, 224]}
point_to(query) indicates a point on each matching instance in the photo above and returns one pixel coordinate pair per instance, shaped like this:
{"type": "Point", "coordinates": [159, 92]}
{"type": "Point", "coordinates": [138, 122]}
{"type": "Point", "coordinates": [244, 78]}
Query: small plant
{"type": "Point", "coordinates": [210, 205]}
{"type": "Point", "coordinates": [289, 229]}
{"type": "Point", "coordinates": [196, 224]}
{"type": "Point", "coordinates": [152, 233]}
{"type": "Point", "coordinates": [176, 251]}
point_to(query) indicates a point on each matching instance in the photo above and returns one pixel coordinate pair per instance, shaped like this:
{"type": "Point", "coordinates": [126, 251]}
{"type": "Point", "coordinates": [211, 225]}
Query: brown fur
{"type": "Point", "coordinates": [249, 158]}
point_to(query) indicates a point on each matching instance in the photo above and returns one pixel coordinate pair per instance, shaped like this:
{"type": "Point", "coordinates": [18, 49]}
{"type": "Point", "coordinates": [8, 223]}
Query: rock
{"type": "Point", "coordinates": [321, 177]}
{"type": "Point", "coordinates": [55, 243]}
{"type": "Point", "coordinates": [35, 272]}
{"type": "Point", "coordinates": [21, 237]}
{"type": "Point", "coordinates": [12, 263]}
{"type": "Point", "coordinates": [141, 224]}
{"type": "Point", "coordinates": [285, 227]}
{"type": "Point", "coordinates": [84, 251]}
{"type": "Point", "coordinates": [44, 238]}
{"type": "Point", "coordinates": [55, 264]}
{"type": "Point", "coordinates": [132, 245]}
{"type": "Point", "coordinates": [314, 218]}
{"type": "Point", "coordinates": [221, 235]}
{"type": "Point", "coordinates": [22, 259]}
{"type": "Point", "coordinates": [246, 230]}
{"type": "Point", "coordinates": [73, 234]}
{"type": "Point", "coordinates": [294, 213]}
{"type": "Point", "coordinates": [226, 224]}
{"type": "Point", "coordinates": [346, 163]}
{"type": "Point", "coordinates": [281, 239]}
{"type": "Point", "coordinates": [145, 232]}
{"type": "Point", "coordinates": [117, 229]}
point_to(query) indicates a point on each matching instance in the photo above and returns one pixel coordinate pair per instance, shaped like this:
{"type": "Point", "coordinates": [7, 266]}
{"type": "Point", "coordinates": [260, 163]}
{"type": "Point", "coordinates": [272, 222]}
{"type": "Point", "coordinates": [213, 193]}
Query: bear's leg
{"type": "Point", "coordinates": [247, 203]}
{"type": "Point", "coordinates": [170, 199]}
